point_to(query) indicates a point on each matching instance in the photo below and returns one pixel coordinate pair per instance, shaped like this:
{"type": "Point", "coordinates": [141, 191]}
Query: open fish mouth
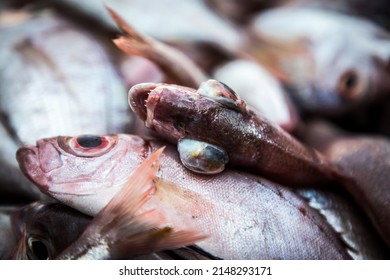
{"type": "Point", "coordinates": [138, 96]}
{"type": "Point", "coordinates": [28, 159]}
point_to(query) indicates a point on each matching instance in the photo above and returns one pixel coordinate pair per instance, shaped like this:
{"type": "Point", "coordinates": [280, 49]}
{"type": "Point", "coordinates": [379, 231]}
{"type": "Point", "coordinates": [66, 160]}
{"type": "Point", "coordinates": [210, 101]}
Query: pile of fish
{"type": "Point", "coordinates": [222, 130]}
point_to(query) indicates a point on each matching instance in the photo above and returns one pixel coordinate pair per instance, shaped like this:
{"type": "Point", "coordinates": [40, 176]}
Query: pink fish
{"type": "Point", "coordinates": [235, 210]}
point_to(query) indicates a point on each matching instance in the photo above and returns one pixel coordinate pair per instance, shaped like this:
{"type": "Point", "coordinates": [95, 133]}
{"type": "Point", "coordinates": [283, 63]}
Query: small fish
{"type": "Point", "coordinates": [46, 228]}
{"type": "Point", "coordinates": [331, 62]}
{"type": "Point", "coordinates": [243, 216]}
{"type": "Point", "coordinates": [216, 115]}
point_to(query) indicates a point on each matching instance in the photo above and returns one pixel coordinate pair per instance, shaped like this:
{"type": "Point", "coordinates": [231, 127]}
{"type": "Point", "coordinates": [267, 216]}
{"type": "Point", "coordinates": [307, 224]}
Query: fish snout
{"type": "Point", "coordinates": [137, 97]}
{"type": "Point", "coordinates": [28, 160]}
{"type": "Point", "coordinates": [49, 156]}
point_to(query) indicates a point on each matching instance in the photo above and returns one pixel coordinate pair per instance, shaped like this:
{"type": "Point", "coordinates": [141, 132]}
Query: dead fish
{"type": "Point", "coordinates": [235, 210]}
{"type": "Point", "coordinates": [47, 88]}
{"type": "Point", "coordinates": [332, 62]}
{"type": "Point", "coordinates": [365, 161]}
{"type": "Point", "coordinates": [46, 228]}
{"type": "Point", "coordinates": [215, 115]}
{"type": "Point", "coordinates": [8, 239]}
{"type": "Point", "coordinates": [119, 232]}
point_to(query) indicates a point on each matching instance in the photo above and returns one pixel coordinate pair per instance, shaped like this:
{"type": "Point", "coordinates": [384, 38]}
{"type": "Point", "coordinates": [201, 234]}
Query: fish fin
{"type": "Point", "coordinates": [174, 64]}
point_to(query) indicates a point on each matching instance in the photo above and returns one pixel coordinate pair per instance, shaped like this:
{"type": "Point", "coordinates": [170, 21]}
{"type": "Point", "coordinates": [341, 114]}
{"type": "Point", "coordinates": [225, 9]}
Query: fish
{"type": "Point", "coordinates": [365, 161]}
{"type": "Point", "coordinates": [235, 210]}
{"type": "Point", "coordinates": [264, 92]}
{"type": "Point", "coordinates": [45, 228]}
{"type": "Point", "coordinates": [214, 114]}
{"type": "Point", "coordinates": [331, 62]}
{"type": "Point", "coordinates": [46, 89]}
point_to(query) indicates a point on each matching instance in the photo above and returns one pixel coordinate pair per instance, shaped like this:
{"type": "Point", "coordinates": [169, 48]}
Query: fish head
{"type": "Point", "coordinates": [176, 112]}
{"type": "Point", "coordinates": [46, 228]}
{"type": "Point", "coordinates": [81, 165]}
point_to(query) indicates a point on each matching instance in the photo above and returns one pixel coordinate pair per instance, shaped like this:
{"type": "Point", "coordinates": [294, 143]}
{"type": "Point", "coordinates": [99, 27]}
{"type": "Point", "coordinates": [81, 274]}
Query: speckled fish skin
{"type": "Point", "coordinates": [52, 225]}
{"type": "Point", "coordinates": [365, 161]}
{"type": "Point", "coordinates": [236, 210]}
{"type": "Point", "coordinates": [48, 88]}
{"type": "Point", "coordinates": [251, 141]}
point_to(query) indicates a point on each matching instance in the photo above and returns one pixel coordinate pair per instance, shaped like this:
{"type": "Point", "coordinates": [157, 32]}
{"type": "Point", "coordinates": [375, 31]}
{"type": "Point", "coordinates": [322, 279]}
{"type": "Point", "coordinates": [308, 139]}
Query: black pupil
{"type": "Point", "coordinates": [39, 249]}
{"type": "Point", "coordinates": [89, 141]}
{"type": "Point", "coordinates": [351, 81]}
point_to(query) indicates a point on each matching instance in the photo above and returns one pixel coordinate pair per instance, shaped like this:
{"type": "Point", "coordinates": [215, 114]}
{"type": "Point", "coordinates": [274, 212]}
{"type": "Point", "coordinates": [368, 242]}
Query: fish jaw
{"type": "Point", "coordinates": [28, 159]}
{"type": "Point", "coordinates": [144, 99]}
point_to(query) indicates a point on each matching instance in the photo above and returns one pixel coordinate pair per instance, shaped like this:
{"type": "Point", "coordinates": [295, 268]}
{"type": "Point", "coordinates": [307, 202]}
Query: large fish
{"type": "Point", "coordinates": [214, 115]}
{"type": "Point", "coordinates": [49, 89]}
{"type": "Point", "coordinates": [332, 62]}
{"type": "Point", "coordinates": [236, 210]}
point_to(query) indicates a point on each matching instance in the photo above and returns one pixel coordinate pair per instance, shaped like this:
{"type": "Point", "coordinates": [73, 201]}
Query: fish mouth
{"type": "Point", "coordinates": [138, 96]}
{"type": "Point", "coordinates": [28, 160]}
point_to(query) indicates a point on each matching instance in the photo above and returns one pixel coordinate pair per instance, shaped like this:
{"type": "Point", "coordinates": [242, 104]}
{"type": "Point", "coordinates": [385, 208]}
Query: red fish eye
{"type": "Point", "coordinates": [87, 145]}
{"type": "Point", "coordinates": [91, 141]}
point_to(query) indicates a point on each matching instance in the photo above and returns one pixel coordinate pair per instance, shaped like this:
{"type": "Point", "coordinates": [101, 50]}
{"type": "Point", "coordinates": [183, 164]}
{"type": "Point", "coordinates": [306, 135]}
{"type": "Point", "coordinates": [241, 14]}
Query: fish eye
{"type": "Point", "coordinates": [350, 85]}
{"type": "Point", "coordinates": [37, 249]}
{"type": "Point", "coordinates": [87, 145]}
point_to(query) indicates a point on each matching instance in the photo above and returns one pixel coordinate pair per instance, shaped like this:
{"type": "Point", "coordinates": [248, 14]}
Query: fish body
{"type": "Point", "coordinates": [235, 210]}
{"type": "Point", "coordinates": [48, 89]}
{"type": "Point", "coordinates": [250, 140]}
{"type": "Point", "coordinates": [332, 62]}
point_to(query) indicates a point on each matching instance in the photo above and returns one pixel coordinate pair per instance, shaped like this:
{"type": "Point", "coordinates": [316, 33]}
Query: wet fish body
{"type": "Point", "coordinates": [217, 206]}
{"type": "Point", "coordinates": [250, 140]}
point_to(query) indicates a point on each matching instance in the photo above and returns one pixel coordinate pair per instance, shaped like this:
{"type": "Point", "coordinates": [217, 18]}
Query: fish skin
{"type": "Point", "coordinates": [52, 224]}
{"type": "Point", "coordinates": [251, 141]}
{"type": "Point", "coordinates": [52, 91]}
{"type": "Point", "coordinates": [356, 50]}
{"type": "Point", "coordinates": [119, 231]}
{"type": "Point", "coordinates": [365, 161]}
{"type": "Point", "coordinates": [235, 210]}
